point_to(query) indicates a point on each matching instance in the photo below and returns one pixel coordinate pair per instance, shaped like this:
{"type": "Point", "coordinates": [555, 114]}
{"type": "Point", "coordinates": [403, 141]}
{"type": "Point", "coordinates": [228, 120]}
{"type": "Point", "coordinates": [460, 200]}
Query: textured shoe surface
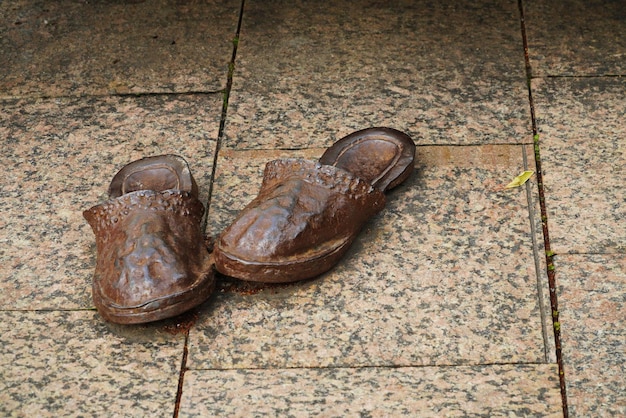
{"type": "Point", "coordinates": [151, 259]}
{"type": "Point", "coordinates": [308, 213]}
{"type": "Point", "coordinates": [300, 224]}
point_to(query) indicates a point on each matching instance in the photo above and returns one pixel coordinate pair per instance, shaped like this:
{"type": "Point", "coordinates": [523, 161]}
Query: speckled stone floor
{"type": "Point", "coordinates": [446, 304]}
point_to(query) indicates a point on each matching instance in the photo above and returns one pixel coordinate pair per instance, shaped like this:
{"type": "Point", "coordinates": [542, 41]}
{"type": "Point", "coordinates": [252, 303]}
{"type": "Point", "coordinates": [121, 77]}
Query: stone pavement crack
{"type": "Point", "coordinates": [549, 254]}
{"type": "Point", "coordinates": [220, 136]}
{"type": "Point", "coordinates": [226, 97]}
{"type": "Point", "coordinates": [181, 376]}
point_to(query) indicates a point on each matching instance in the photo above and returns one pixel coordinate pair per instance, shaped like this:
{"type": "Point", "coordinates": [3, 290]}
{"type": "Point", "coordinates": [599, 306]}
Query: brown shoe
{"type": "Point", "coordinates": [151, 259]}
{"type": "Point", "coordinates": [307, 214]}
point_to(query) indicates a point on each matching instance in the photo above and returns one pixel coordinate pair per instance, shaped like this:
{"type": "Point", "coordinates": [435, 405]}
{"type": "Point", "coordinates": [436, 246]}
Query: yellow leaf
{"type": "Point", "coordinates": [520, 180]}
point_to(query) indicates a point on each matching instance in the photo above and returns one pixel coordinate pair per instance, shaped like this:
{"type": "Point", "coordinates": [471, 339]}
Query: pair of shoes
{"type": "Point", "coordinates": [151, 259]}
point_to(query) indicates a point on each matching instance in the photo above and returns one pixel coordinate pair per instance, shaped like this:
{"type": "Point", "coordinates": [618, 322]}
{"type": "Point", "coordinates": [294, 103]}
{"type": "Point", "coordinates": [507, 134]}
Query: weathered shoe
{"type": "Point", "coordinates": [151, 259]}
{"type": "Point", "coordinates": [307, 214]}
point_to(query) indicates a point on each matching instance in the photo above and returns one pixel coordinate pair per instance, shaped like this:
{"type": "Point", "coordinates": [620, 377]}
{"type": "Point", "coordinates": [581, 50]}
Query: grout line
{"type": "Point", "coordinates": [554, 303]}
{"type": "Point", "coordinates": [109, 94]}
{"type": "Point", "coordinates": [533, 233]}
{"type": "Point", "coordinates": [375, 366]}
{"type": "Point", "coordinates": [181, 376]}
{"type": "Point", "coordinates": [584, 76]}
{"type": "Point", "coordinates": [226, 97]}
{"type": "Point", "coordinates": [50, 310]}
{"type": "Point", "coordinates": [434, 145]}
{"type": "Point", "coordinates": [218, 145]}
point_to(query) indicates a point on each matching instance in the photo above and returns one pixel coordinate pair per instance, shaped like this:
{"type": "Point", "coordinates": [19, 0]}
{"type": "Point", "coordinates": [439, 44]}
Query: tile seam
{"type": "Point", "coordinates": [35, 97]}
{"type": "Point", "coordinates": [218, 144]}
{"type": "Point", "coordinates": [544, 218]}
{"type": "Point", "coordinates": [374, 366]}
{"type": "Point", "coordinates": [222, 125]}
{"type": "Point", "coordinates": [181, 376]}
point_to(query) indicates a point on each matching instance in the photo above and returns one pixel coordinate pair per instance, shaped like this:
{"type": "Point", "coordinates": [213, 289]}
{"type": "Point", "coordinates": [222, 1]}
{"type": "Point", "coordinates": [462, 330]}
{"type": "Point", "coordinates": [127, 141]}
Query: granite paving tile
{"type": "Point", "coordinates": [576, 37]}
{"type": "Point", "coordinates": [59, 156]}
{"type": "Point", "coordinates": [114, 47]}
{"type": "Point", "coordinates": [509, 390]}
{"type": "Point", "coordinates": [592, 301]}
{"type": "Point", "coordinates": [444, 275]}
{"type": "Point", "coordinates": [309, 73]}
{"type": "Point", "coordinates": [583, 154]}
{"type": "Point", "coordinates": [74, 364]}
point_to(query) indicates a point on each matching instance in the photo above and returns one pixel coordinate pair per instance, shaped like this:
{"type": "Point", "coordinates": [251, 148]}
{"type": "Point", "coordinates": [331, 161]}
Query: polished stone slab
{"type": "Point", "coordinates": [576, 37]}
{"type": "Point", "coordinates": [59, 156]}
{"type": "Point", "coordinates": [67, 47]}
{"type": "Point", "coordinates": [508, 390]}
{"type": "Point", "coordinates": [445, 72]}
{"type": "Point", "coordinates": [583, 155]}
{"type": "Point", "coordinates": [73, 364]}
{"type": "Point", "coordinates": [444, 275]}
{"type": "Point", "coordinates": [592, 304]}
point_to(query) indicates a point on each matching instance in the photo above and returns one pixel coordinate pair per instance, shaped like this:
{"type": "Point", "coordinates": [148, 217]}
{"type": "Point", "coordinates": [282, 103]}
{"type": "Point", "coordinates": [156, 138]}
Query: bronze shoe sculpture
{"type": "Point", "coordinates": [151, 259]}
{"type": "Point", "coordinates": [307, 214]}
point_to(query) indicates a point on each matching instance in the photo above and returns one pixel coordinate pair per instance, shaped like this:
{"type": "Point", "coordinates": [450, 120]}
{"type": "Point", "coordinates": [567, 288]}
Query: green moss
{"type": "Point", "coordinates": [224, 100]}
